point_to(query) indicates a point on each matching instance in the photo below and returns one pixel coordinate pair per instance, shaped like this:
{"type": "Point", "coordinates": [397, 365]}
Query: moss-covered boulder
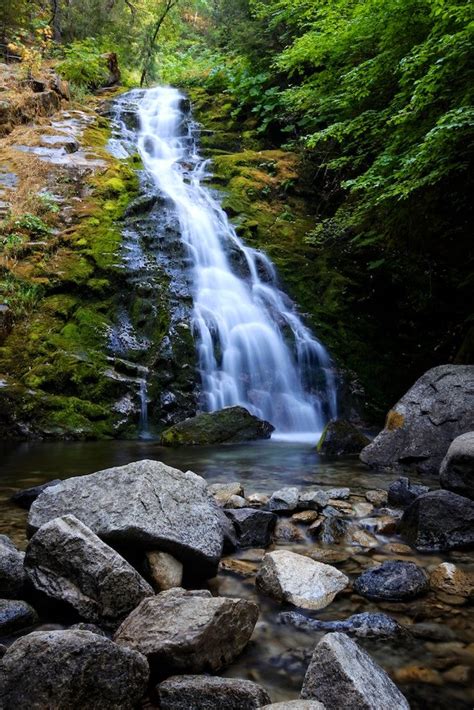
{"type": "Point", "coordinates": [340, 437]}
{"type": "Point", "coordinates": [229, 425]}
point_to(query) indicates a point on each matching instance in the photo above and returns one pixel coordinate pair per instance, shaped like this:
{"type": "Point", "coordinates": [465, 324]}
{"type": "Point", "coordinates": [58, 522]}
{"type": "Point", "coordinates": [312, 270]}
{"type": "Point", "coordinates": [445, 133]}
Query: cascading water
{"type": "Point", "coordinates": [253, 349]}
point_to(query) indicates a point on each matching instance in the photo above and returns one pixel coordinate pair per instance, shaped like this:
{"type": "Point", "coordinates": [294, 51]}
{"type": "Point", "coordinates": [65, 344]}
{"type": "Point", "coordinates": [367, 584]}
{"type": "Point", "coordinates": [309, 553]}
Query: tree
{"type": "Point", "coordinates": [150, 47]}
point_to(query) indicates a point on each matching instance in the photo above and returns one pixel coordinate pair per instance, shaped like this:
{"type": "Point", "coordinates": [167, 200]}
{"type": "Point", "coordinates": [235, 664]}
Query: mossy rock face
{"type": "Point", "coordinates": [340, 437]}
{"type": "Point", "coordinates": [229, 425]}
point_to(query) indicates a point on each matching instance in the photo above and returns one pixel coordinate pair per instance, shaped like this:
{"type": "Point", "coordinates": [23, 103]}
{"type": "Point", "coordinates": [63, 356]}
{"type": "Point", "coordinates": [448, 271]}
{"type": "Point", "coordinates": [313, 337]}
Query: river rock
{"type": "Point", "coordinates": [71, 669]}
{"type": "Point", "coordinates": [26, 497]}
{"type": "Point", "coordinates": [232, 424]}
{"type": "Point", "coordinates": [340, 437]}
{"type": "Point", "coordinates": [15, 615]}
{"type": "Point", "coordinates": [457, 468]}
{"type": "Point", "coordinates": [189, 632]}
{"type": "Point", "coordinates": [439, 520]}
{"type": "Point", "coordinates": [253, 527]}
{"type": "Point", "coordinates": [223, 492]}
{"type": "Point", "coordinates": [306, 517]}
{"type": "Point", "coordinates": [342, 675]}
{"type": "Point", "coordinates": [296, 705]}
{"type": "Point", "coordinates": [166, 572]}
{"type": "Point", "coordinates": [377, 497]}
{"type": "Point", "coordinates": [66, 561]}
{"type": "Point", "coordinates": [365, 625]}
{"type": "Point", "coordinates": [283, 500]}
{"type": "Point", "coordinates": [403, 492]}
{"type": "Point", "coordinates": [195, 692]}
{"type": "Point", "coordinates": [313, 499]}
{"type": "Point", "coordinates": [299, 580]}
{"type": "Point", "coordinates": [145, 504]}
{"type": "Point", "coordinates": [12, 574]}
{"type": "Point", "coordinates": [392, 581]}
{"type": "Point", "coordinates": [450, 579]}
{"type": "Point", "coordinates": [420, 428]}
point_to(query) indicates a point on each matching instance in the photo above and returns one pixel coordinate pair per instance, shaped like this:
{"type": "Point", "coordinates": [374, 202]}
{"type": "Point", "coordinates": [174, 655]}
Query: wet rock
{"type": "Point", "coordinates": [257, 500]}
{"type": "Point", "coordinates": [418, 674]}
{"type": "Point", "coordinates": [450, 579]}
{"type": "Point", "coordinates": [283, 500]}
{"type": "Point", "coordinates": [189, 632]}
{"type": "Point", "coordinates": [439, 520]}
{"type": "Point", "coordinates": [84, 626]}
{"type": "Point", "coordinates": [377, 497]}
{"type": "Point", "coordinates": [361, 538]}
{"type": "Point", "coordinates": [432, 632]}
{"type": "Point", "coordinates": [191, 692]}
{"type": "Point", "coordinates": [71, 669]}
{"type": "Point", "coordinates": [338, 493]}
{"type": "Point", "coordinates": [327, 555]}
{"type": "Point", "coordinates": [340, 438]}
{"type": "Point", "coordinates": [313, 499]}
{"type": "Point", "coordinates": [66, 561]}
{"type": "Point", "coordinates": [402, 492]}
{"type": "Point", "coordinates": [236, 502]}
{"type": "Point", "coordinates": [144, 504]}
{"type": "Point", "coordinates": [341, 675]}
{"type": "Point", "coordinates": [419, 429]}
{"type": "Point", "coordinates": [223, 492]}
{"type": "Point", "coordinates": [460, 675]}
{"type": "Point", "coordinates": [392, 581]}
{"type": "Point", "coordinates": [286, 531]}
{"type": "Point", "coordinates": [12, 574]}
{"type": "Point", "coordinates": [306, 517]}
{"type": "Point", "coordinates": [232, 424]}
{"type": "Point", "coordinates": [141, 204]}
{"type": "Point", "coordinates": [166, 571]}
{"type": "Point", "coordinates": [296, 705]}
{"type": "Point", "coordinates": [333, 530]}
{"type": "Point", "coordinates": [242, 568]}
{"type": "Point", "coordinates": [26, 497]}
{"type": "Point", "coordinates": [299, 580]}
{"type": "Point", "coordinates": [15, 615]}
{"type": "Point", "coordinates": [253, 527]}
{"type": "Point", "coordinates": [457, 468]}
{"type": "Point", "coordinates": [365, 625]}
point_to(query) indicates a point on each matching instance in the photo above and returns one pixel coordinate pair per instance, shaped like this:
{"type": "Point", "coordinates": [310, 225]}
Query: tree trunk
{"type": "Point", "coordinates": [56, 19]}
{"type": "Point", "coordinates": [169, 4]}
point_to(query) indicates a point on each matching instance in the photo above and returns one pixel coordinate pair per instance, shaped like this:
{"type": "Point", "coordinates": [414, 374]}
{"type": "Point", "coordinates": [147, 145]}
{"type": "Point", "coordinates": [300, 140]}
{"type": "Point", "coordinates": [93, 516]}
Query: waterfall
{"type": "Point", "coordinates": [253, 349]}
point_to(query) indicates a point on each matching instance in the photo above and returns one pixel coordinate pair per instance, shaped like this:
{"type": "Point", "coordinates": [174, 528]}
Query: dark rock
{"type": "Point", "coordinates": [84, 626]}
{"type": "Point", "coordinates": [189, 632]}
{"type": "Point", "coordinates": [194, 692]}
{"type": "Point", "coordinates": [365, 625]}
{"type": "Point", "coordinates": [15, 615]}
{"type": "Point", "coordinates": [140, 205]}
{"type": "Point", "coordinates": [457, 468]}
{"type": "Point", "coordinates": [12, 574]}
{"type": "Point", "coordinates": [332, 529]}
{"type": "Point", "coordinates": [419, 429]}
{"type": "Point", "coordinates": [66, 561]}
{"type": "Point", "coordinates": [26, 497]}
{"type": "Point", "coordinates": [232, 424]}
{"type": "Point", "coordinates": [341, 675]}
{"type": "Point", "coordinates": [253, 527]}
{"type": "Point", "coordinates": [144, 504]}
{"type": "Point", "coordinates": [6, 321]}
{"type": "Point", "coordinates": [71, 669]}
{"type": "Point", "coordinates": [392, 581]}
{"type": "Point", "coordinates": [340, 437]}
{"type": "Point", "coordinates": [402, 492]}
{"type": "Point", "coordinates": [439, 520]}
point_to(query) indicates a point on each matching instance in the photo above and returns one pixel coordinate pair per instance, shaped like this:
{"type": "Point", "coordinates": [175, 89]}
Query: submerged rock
{"type": "Point", "coordinates": [71, 669]}
{"type": "Point", "coordinates": [450, 579]}
{"type": "Point", "coordinates": [419, 429]}
{"type": "Point", "coordinates": [189, 632]}
{"type": "Point", "coordinates": [195, 692]}
{"type": "Point", "coordinates": [365, 625]}
{"type": "Point", "coordinates": [299, 580]}
{"type": "Point", "coordinates": [392, 581]}
{"type": "Point", "coordinates": [403, 492]}
{"type": "Point", "coordinates": [340, 437]}
{"type": "Point", "coordinates": [26, 497]}
{"type": "Point", "coordinates": [457, 468]}
{"type": "Point", "coordinates": [145, 504]}
{"type": "Point", "coordinates": [15, 615]}
{"type": "Point", "coordinates": [253, 527]}
{"type": "Point", "coordinates": [232, 424]}
{"type": "Point", "coordinates": [12, 574]}
{"type": "Point", "coordinates": [341, 675]}
{"type": "Point", "coordinates": [439, 520]}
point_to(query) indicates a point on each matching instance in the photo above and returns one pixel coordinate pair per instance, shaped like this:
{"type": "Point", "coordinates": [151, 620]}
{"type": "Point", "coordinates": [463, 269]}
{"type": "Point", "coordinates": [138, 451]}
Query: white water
{"type": "Point", "coordinates": [239, 320]}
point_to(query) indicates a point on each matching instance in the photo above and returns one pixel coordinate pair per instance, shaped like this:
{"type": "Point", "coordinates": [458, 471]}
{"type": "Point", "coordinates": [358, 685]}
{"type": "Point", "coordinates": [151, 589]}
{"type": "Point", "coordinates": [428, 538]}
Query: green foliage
{"type": "Point", "coordinates": [83, 65]}
{"type": "Point", "coordinates": [21, 296]}
{"type": "Point", "coordinates": [33, 225]}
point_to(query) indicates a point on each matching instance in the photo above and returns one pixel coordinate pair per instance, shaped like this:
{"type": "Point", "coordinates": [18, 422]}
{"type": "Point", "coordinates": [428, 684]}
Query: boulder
{"type": "Point", "coordinates": [449, 579]}
{"type": "Point", "coordinates": [253, 527]}
{"type": "Point", "coordinates": [195, 692]}
{"type": "Point", "coordinates": [299, 580]}
{"type": "Point", "coordinates": [66, 561]}
{"type": "Point", "coordinates": [15, 615]}
{"type": "Point", "coordinates": [365, 625]}
{"type": "Point", "coordinates": [420, 428]}
{"type": "Point", "coordinates": [189, 632]}
{"type": "Point", "coordinates": [26, 497]}
{"type": "Point", "coordinates": [71, 669]}
{"type": "Point", "coordinates": [403, 492]}
{"type": "Point", "coordinates": [457, 468]}
{"type": "Point", "coordinates": [144, 505]}
{"type": "Point", "coordinates": [341, 675]}
{"type": "Point", "coordinates": [232, 424]}
{"type": "Point", "coordinates": [284, 500]}
{"type": "Point", "coordinates": [439, 520]}
{"type": "Point", "coordinates": [165, 571]}
{"type": "Point", "coordinates": [12, 574]}
{"type": "Point", "coordinates": [392, 581]}
{"type": "Point", "coordinates": [340, 437]}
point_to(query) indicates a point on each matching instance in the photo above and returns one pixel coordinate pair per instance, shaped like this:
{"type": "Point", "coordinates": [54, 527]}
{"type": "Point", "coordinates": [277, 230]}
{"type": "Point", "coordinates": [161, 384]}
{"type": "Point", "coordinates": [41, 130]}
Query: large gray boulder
{"type": "Point", "coordinates": [457, 468]}
{"type": "Point", "coordinates": [439, 520]}
{"type": "Point", "coordinates": [145, 505]}
{"type": "Point", "coordinates": [12, 574]}
{"type": "Point", "coordinates": [229, 425]}
{"type": "Point", "coordinates": [420, 428]}
{"type": "Point", "coordinates": [197, 692]}
{"type": "Point", "coordinates": [341, 675]}
{"type": "Point", "coordinates": [67, 561]}
{"type": "Point", "coordinates": [70, 670]}
{"type": "Point", "coordinates": [189, 632]}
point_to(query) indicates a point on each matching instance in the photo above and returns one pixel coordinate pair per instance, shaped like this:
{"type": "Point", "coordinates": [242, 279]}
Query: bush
{"type": "Point", "coordinates": [83, 65]}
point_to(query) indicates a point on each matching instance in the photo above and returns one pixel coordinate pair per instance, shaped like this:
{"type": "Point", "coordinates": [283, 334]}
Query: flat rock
{"type": "Point", "coordinates": [229, 425]}
{"type": "Point", "coordinates": [166, 572]}
{"type": "Point", "coordinates": [26, 497]}
{"type": "Point", "coordinates": [196, 692]}
{"type": "Point", "coordinates": [403, 492]}
{"type": "Point", "coordinates": [299, 580]}
{"type": "Point", "coordinates": [392, 581]}
{"type": "Point", "coordinates": [15, 615]}
{"type": "Point", "coordinates": [285, 499]}
{"type": "Point", "coordinates": [71, 669]}
{"type": "Point", "coordinates": [12, 574]}
{"type": "Point", "coordinates": [457, 468]}
{"type": "Point", "coordinates": [420, 428]}
{"type": "Point", "coordinates": [341, 675]}
{"type": "Point", "coordinates": [189, 632]}
{"type": "Point", "coordinates": [439, 520]}
{"type": "Point", "coordinates": [66, 561]}
{"type": "Point", "coordinates": [450, 579]}
{"type": "Point", "coordinates": [145, 505]}
{"type": "Point", "coordinates": [253, 527]}
{"type": "Point", "coordinates": [340, 438]}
